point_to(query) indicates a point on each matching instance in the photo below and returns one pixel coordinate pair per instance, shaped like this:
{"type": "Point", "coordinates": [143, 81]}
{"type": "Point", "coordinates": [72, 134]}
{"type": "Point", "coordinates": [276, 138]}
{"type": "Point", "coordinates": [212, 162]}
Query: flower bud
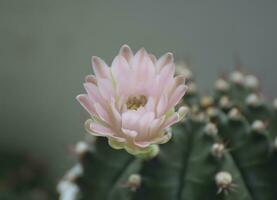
{"type": "Point", "coordinates": [182, 69]}
{"type": "Point", "coordinates": [81, 148]}
{"type": "Point", "coordinates": [222, 85]}
{"type": "Point", "coordinates": [74, 172]}
{"type": "Point", "coordinates": [212, 112]}
{"type": "Point", "coordinates": [67, 190]}
{"type": "Point", "coordinates": [223, 180]}
{"type": "Point", "coordinates": [134, 181]}
{"type": "Point", "coordinates": [253, 100]}
{"type": "Point", "coordinates": [218, 150]}
{"type": "Point", "coordinates": [234, 114]}
{"type": "Point", "coordinates": [251, 82]}
{"type": "Point", "coordinates": [199, 117]}
{"type": "Point", "coordinates": [237, 77]}
{"type": "Point", "coordinates": [224, 102]}
{"type": "Point", "coordinates": [210, 129]}
{"type": "Point", "coordinates": [206, 101]}
{"type": "Point", "coordinates": [258, 126]}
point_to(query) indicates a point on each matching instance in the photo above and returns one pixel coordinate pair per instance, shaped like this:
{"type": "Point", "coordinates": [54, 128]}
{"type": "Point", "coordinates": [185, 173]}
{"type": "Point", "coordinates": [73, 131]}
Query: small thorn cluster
{"type": "Point", "coordinates": [224, 182]}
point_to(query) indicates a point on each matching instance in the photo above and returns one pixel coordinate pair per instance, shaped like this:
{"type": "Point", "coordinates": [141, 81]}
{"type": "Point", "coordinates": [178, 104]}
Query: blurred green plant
{"type": "Point", "coordinates": [23, 178]}
{"type": "Point", "coordinates": [225, 149]}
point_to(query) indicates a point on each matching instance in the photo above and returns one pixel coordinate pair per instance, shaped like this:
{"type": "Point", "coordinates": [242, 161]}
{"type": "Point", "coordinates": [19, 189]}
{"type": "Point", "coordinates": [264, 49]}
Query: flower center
{"type": "Point", "coordinates": [134, 102]}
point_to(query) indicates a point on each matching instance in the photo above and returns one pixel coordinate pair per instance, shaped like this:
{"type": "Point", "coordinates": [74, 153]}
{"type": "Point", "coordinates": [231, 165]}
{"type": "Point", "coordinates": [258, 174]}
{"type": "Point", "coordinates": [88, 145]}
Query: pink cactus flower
{"type": "Point", "coordinates": [132, 103]}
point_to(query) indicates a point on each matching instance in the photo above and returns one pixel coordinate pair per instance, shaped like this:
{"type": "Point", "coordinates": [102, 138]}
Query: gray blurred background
{"type": "Point", "coordinates": [46, 45]}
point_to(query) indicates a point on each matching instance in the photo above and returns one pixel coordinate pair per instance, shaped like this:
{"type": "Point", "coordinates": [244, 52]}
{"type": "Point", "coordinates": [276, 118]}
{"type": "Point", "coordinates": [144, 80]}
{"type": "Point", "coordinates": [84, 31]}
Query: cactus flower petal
{"type": "Point", "coordinates": [133, 101]}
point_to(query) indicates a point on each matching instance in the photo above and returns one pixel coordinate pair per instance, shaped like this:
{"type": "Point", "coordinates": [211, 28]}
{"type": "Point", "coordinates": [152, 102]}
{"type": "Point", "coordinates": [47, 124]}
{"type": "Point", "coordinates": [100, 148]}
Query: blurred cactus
{"type": "Point", "coordinates": [225, 149]}
{"type": "Point", "coordinates": [23, 178]}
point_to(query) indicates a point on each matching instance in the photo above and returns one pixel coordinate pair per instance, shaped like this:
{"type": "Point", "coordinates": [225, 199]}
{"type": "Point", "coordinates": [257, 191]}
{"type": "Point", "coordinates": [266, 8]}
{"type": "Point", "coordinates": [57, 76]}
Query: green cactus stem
{"type": "Point", "coordinates": [225, 149]}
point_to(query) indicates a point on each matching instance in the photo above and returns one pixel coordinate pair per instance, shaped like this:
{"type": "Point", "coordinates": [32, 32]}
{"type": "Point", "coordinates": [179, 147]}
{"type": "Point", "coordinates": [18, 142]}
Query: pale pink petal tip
{"type": "Point", "coordinates": [82, 98]}
{"type": "Point", "coordinates": [125, 49]}
{"type": "Point", "coordinates": [153, 58]}
{"type": "Point", "coordinates": [86, 103]}
{"type": "Point", "coordinates": [100, 68]}
{"type": "Point", "coordinates": [126, 52]}
{"type": "Point", "coordinates": [133, 101]}
{"type": "Point", "coordinates": [164, 60]}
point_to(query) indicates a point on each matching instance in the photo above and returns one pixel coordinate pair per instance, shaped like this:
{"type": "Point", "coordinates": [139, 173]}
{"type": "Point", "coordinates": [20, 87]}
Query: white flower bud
{"type": "Point", "coordinates": [182, 69]}
{"type": "Point", "coordinates": [67, 190]}
{"type": "Point", "coordinates": [212, 112]}
{"type": "Point", "coordinates": [234, 114]}
{"type": "Point", "coordinates": [253, 100]}
{"type": "Point", "coordinates": [90, 139]}
{"type": "Point", "coordinates": [258, 126]}
{"type": "Point", "coordinates": [74, 172]}
{"type": "Point", "coordinates": [218, 150]}
{"type": "Point", "coordinates": [222, 85]}
{"type": "Point", "coordinates": [81, 148]}
{"type": "Point", "coordinates": [211, 129]}
{"type": "Point", "coordinates": [224, 102]}
{"type": "Point", "coordinates": [206, 101]}
{"type": "Point", "coordinates": [223, 180]}
{"type": "Point", "coordinates": [199, 117]}
{"type": "Point", "coordinates": [251, 82]}
{"type": "Point", "coordinates": [134, 181]}
{"type": "Point", "coordinates": [237, 77]}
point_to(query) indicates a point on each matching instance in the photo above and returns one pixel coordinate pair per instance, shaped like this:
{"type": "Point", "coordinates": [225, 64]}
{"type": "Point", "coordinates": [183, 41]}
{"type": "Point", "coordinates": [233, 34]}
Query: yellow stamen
{"type": "Point", "coordinates": [133, 103]}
